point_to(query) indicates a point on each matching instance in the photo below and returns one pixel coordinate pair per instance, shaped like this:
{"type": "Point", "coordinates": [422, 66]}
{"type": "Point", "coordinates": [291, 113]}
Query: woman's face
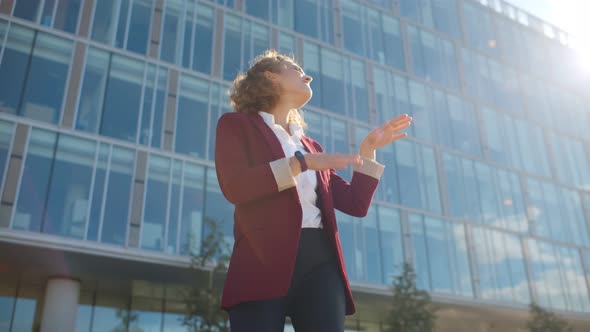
{"type": "Point", "coordinates": [295, 84]}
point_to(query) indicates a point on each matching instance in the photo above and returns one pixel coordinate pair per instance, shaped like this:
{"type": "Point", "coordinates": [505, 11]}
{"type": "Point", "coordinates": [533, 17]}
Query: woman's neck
{"type": "Point", "coordinates": [281, 115]}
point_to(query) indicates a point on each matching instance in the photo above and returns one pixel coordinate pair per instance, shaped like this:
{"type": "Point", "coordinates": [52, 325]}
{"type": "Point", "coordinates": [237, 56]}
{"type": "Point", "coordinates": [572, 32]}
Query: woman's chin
{"type": "Point", "coordinates": [305, 101]}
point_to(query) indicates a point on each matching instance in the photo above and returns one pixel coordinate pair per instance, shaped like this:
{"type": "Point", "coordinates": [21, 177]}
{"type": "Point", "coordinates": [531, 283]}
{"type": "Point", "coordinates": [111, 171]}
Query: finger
{"type": "Point", "coordinates": [399, 127]}
{"type": "Point", "coordinates": [390, 139]}
{"type": "Point", "coordinates": [397, 137]}
{"type": "Point", "coordinates": [396, 123]}
{"type": "Point", "coordinates": [400, 119]}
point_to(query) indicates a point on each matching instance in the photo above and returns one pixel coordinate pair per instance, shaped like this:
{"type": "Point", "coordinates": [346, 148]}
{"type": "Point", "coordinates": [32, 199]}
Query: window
{"type": "Point", "coordinates": [336, 75]}
{"type": "Point", "coordinates": [152, 111]}
{"type": "Point", "coordinates": [440, 256]}
{"type": "Point", "coordinates": [512, 43]}
{"type": "Point", "coordinates": [479, 28]}
{"type": "Point", "coordinates": [416, 176]}
{"type": "Point", "coordinates": [332, 133]}
{"type": "Point", "coordinates": [56, 183]}
{"type": "Point", "coordinates": [146, 313]}
{"type": "Point", "coordinates": [110, 311]}
{"type": "Point", "coordinates": [333, 81]}
{"type": "Point", "coordinates": [571, 161]}
{"type": "Point", "coordinates": [57, 14]}
{"type": "Point", "coordinates": [438, 14]}
{"type": "Point", "coordinates": [567, 114]}
{"type": "Point", "coordinates": [19, 303]}
{"type": "Point", "coordinates": [280, 12]}
{"type": "Point", "coordinates": [35, 178]}
{"type": "Point", "coordinates": [557, 213]}
{"type": "Point", "coordinates": [422, 111]}
{"type": "Point", "coordinates": [187, 35]}
{"type": "Point", "coordinates": [7, 130]}
{"type": "Point", "coordinates": [357, 96]}
{"type": "Point", "coordinates": [558, 276]}
{"type": "Point", "coordinates": [111, 195]}
{"type": "Point", "coordinates": [153, 224]}
{"type": "Point", "coordinates": [311, 62]}
{"type": "Point", "coordinates": [503, 139]}
{"type": "Point", "coordinates": [244, 40]}
{"type": "Point", "coordinates": [390, 237]}
{"type": "Point", "coordinates": [500, 266]}
{"type": "Point", "coordinates": [346, 233]}
{"type": "Point", "coordinates": [391, 94]}
{"type": "Point", "coordinates": [494, 83]}
{"type": "Point", "coordinates": [387, 4]}
{"type": "Point", "coordinates": [173, 208]}
{"type": "Point", "coordinates": [116, 92]}
{"type": "Point", "coordinates": [227, 3]}
{"type": "Point", "coordinates": [191, 117]}
{"type": "Point", "coordinates": [389, 188]}
{"type": "Point", "coordinates": [536, 95]}
{"type": "Point", "coordinates": [33, 73]}
{"type": "Point", "coordinates": [480, 193]}
{"type": "Point", "coordinates": [371, 33]}
{"type": "Point", "coordinates": [219, 105]}
{"type": "Point", "coordinates": [532, 148]}
{"type": "Point", "coordinates": [339, 142]}
{"type": "Point", "coordinates": [123, 92]}
{"type": "Point", "coordinates": [191, 209]}
{"type": "Point", "coordinates": [433, 58]}
{"type": "Point", "coordinates": [456, 123]}
{"type": "Point", "coordinates": [123, 24]}
{"type": "Point", "coordinates": [287, 44]}
{"type": "Point", "coordinates": [369, 247]}
{"type": "Point", "coordinates": [314, 19]}
{"type": "Point", "coordinates": [218, 210]}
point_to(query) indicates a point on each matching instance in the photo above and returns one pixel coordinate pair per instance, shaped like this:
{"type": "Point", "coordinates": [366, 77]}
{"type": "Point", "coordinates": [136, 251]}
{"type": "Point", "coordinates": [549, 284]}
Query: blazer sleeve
{"type": "Point", "coordinates": [239, 181]}
{"type": "Point", "coordinates": [354, 197]}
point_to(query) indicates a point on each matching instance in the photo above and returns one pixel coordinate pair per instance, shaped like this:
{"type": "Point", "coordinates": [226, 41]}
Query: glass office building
{"type": "Point", "coordinates": [108, 111]}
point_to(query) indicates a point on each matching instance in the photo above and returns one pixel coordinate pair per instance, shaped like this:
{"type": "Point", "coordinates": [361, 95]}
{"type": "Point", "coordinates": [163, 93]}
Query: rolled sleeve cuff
{"type": "Point", "coordinates": [371, 168]}
{"type": "Point", "coordinates": [282, 172]}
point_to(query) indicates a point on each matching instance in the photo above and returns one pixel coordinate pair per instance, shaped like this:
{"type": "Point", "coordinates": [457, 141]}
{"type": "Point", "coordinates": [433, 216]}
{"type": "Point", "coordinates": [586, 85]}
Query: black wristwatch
{"type": "Point", "coordinates": [301, 159]}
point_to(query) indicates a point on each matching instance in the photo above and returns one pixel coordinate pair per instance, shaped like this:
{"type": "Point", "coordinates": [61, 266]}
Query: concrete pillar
{"type": "Point", "coordinates": [61, 305]}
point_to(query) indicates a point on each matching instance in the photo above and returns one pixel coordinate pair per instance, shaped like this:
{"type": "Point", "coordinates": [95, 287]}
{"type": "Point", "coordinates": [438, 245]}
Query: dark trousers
{"type": "Point", "coordinates": [315, 301]}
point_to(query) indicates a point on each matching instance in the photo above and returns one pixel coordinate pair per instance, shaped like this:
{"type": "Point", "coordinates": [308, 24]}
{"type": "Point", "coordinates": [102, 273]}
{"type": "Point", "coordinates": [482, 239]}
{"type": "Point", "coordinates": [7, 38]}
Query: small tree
{"type": "Point", "coordinates": [203, 298]}
{"type": "Point", "coordinates": [546, 321]}
{"type": "Point", "coordinates": [412, 309]}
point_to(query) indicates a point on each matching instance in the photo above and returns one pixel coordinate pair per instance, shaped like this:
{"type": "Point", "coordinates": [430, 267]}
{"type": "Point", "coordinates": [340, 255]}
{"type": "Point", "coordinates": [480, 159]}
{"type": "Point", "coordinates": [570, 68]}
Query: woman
{"type": "Point", "coordinates": [287, 258]}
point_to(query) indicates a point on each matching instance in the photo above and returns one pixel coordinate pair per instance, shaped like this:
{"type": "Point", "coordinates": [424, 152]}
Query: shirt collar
{"type": "Point", "coordinates": [269, 119]}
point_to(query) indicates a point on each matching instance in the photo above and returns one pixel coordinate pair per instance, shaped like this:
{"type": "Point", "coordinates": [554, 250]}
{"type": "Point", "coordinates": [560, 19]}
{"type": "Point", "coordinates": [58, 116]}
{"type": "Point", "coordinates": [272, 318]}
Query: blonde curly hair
{"type": "Point", "coordinates": [252, 91]}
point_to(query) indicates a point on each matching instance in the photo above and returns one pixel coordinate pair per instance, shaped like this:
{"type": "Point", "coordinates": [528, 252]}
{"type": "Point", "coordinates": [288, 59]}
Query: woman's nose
{"type": "Point", "coordinates": [307, 78]}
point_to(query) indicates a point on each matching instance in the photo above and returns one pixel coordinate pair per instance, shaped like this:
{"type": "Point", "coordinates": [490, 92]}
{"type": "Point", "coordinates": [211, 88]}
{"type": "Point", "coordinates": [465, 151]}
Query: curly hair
{"type": "Point", "coordinates": [253, 91]}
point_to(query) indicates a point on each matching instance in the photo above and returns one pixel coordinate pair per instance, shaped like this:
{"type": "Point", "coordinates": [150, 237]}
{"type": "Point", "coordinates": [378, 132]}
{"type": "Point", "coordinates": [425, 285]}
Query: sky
{"type": "Point", "coordinates": [571, 16]}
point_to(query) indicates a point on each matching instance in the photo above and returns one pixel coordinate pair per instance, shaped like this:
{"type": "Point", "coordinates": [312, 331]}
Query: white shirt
{"type": "Point", "coordinates": [306, 182]}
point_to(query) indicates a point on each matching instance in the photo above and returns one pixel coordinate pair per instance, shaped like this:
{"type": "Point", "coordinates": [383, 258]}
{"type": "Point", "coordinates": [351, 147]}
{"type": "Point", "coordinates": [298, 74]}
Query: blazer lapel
{"type": "Point", "coordinates": [273, 143]}
{"type": "Point", "coordinates": [269, 136]}
{"type": "Point", "coordinates": [320, 175]}
{"type": "Point", "coordinates": [307, 145]}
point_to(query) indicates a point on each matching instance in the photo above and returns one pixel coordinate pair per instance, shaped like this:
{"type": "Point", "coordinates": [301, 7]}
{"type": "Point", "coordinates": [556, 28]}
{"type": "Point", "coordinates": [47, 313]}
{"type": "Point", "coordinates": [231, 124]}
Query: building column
{"type": "Point", "coordinates": [61, 305]}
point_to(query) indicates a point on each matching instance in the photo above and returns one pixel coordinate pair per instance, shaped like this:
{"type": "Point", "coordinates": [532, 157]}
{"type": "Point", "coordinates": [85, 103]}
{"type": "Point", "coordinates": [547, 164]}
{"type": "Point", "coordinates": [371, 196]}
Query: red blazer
{"type": "Point", "coordinates": [267, 223]}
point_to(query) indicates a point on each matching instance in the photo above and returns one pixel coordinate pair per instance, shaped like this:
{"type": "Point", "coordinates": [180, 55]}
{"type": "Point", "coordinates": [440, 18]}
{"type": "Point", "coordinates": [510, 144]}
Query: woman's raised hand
{"type": "Point", "coordinates": [386, 133]}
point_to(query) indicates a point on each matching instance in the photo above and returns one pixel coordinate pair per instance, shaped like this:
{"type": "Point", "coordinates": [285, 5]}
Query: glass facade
{"type": "Point", "coordinates": [108, 112]}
